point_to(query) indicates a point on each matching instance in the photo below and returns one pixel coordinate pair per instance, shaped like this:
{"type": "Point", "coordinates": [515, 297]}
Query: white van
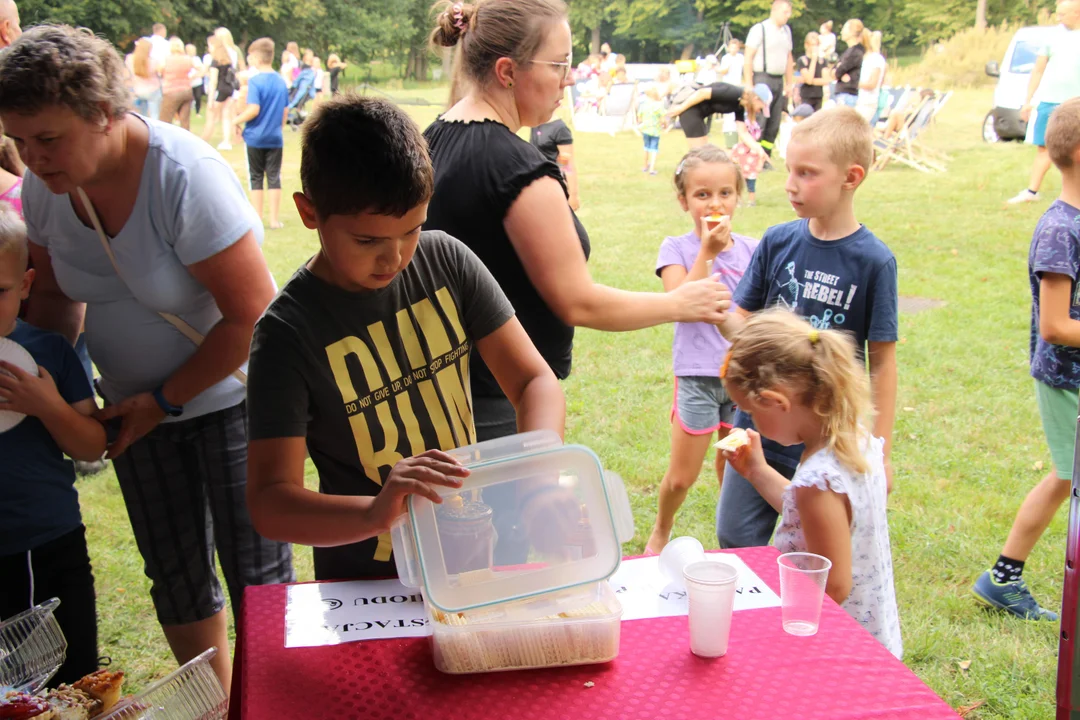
{"type": "Point", "coordinates": [1003, 122]}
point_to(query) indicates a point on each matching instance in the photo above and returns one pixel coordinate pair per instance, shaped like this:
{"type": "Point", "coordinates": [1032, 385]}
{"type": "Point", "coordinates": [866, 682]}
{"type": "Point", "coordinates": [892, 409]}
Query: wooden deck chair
{"type": "Point", "coordinates": [905, 147]}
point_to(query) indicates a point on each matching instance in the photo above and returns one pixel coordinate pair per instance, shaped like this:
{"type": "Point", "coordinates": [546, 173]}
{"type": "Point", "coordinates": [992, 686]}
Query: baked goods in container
{"type": "Point", "coordinates": [72, 704]}
{"type": "Point", "coordinates": [579, 636]}
{"type": "Point", "coordinates": [103, 685]}
{"type": "Point", "coordinates": [21, 706]}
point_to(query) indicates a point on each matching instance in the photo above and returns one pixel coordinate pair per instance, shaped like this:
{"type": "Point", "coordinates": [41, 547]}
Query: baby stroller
{"type": "Point", "coordinates": [299, 95]}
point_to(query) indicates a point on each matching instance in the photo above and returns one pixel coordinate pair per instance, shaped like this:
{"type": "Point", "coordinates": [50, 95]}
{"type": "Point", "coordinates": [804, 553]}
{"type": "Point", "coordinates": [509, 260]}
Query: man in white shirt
{"type": "Point", "coordinates": [9, 23]}
{"type": "Point", "coordinates": [769, 60]}
{"type": "Point", "coordinates": [159, 47]}
{"type": "Point", "coordinates": [1056, 78]}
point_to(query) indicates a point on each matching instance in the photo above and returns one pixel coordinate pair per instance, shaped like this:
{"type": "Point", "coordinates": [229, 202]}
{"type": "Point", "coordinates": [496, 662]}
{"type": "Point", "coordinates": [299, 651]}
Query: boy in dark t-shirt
{"type": "Point", "coordinates": [831, 270]}
{"type": "Point", "coordinates": [363, 359]}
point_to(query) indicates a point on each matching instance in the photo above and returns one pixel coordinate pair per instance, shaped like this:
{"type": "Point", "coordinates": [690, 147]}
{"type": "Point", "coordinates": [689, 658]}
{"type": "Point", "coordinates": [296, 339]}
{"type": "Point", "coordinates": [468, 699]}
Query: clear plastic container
{"type": "Point", "coordinates": [514, 564]}
{"type": "Point", "coordinates": [192, 692]}
{"type": "Point", "coordinates": [32, 648]}
{"type": "Point", "coordinates": [509, 636]}
{"type": "Point", "coordinates": [562, 517]}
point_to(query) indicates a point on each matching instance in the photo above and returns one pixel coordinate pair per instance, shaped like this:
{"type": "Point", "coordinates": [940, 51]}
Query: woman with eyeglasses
{"type": "Point", "coordinates": [500, 196]}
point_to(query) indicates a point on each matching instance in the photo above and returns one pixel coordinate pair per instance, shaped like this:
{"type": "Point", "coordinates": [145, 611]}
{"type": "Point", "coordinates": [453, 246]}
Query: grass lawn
{"type": "Point", "coordinates": [968, 442]}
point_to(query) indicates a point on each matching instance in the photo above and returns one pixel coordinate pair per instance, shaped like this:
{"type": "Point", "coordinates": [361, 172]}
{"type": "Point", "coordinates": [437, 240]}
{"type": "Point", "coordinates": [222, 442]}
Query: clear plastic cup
{"type": "Point", "coordinates": [802, 588]}
{"type": "Point", "coordinates": [677, 554]}
{"type": "Point", "coordinates": [710, 593]}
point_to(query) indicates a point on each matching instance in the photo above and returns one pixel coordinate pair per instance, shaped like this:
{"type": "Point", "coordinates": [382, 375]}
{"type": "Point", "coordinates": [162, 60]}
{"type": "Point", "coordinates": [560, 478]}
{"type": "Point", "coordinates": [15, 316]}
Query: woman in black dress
{"type": "Point", "coordinates": [335, 65]}
{"type": "Point", "coordinates": [500, 196]}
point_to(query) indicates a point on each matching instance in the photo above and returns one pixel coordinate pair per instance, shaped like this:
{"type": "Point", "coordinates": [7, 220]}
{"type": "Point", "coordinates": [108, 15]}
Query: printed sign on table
{"type": "Point", "coordinates": [340, 612]}
{"type": "Point", "coordinates": [645, 593]}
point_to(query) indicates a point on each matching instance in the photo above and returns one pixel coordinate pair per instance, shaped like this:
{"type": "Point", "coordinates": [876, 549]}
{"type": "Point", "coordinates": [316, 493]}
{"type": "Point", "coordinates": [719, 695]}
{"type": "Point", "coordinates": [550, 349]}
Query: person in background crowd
{"type": "Point", "coordinates": [207, 62]}
{"type": "Point", "coordinates": [650, 119]}
{"type": "Point", "coordinates": [336, 66]}
{"type": "Point", "coordinates": [588, 68]}
{"type": "Point", "coordinates": [198, 77]}
{"type": "Point", "coordinates": [318, 87]}
{"type": "Point", "coordinates": [145, 81]}
{"type": "Point", "coordinates": [827, 46]}
{"type": "Point", "coordinates": [235, 56]}
{"type": "Point", "coordinates": [176, 85]}
{"type": "Point", "coordinates": [769, 61]}
{"type": "Point", "coordinates": [289, 62]}
{"type": "Point", "coordinates": [708, 73]}
{"type": "Point", "coordinates": [263, 116]}
{"type": "Point", "coordinates": [294, 50]}
{"type": "Point", "coordinates": [607, 59]}
{"type": "Point", "coordinates": [813, 73]}
{"type": "Point", "coordinates": [224, 81]}
{"type": "Point", "coordinates": [871, 78]}
{"type": "Point", "coordinates": [1056, 78]}
{"type": "Point", "coordinates": [731, 65]}
{"type": "Point", "coordinates": [159, 45]}
{"type": "Point", "coordinates": [10, 29]}
{"type": "Point", "coordinates": [556, 142]}
{"type": "Point", "coordinates": [194, 250]}
{"type": "Point", "coordinates": [849, 68]}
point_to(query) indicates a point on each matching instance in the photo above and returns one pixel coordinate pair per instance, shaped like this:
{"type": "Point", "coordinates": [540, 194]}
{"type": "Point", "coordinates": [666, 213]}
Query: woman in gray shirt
{"type": "Point", "coordinates": [145, 229]}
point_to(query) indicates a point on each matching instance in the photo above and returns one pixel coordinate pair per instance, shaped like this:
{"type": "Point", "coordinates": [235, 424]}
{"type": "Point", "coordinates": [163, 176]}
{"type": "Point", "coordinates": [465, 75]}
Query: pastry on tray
{"type": "Point", "coordinates": [102, 685]}
{"type": "Point", "coordinates": [21, 706]}
{"type": "Point", "coordinates": [733, 441]}
{"type": "Point", "coordinates": [72, 704]}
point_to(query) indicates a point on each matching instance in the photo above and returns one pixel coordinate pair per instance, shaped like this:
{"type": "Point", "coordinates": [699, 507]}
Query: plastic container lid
{"type": "Point", "coordinates": [191, 691]}
{"type": "Point", "coordinates": [32, 648]}
{"type": "Point", "coordinates": [552, 509]}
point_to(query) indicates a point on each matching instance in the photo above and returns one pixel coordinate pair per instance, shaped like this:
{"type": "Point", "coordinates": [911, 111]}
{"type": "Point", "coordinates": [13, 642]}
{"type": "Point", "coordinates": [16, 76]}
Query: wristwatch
{"type": "Point", "coordinates": [166, 407]}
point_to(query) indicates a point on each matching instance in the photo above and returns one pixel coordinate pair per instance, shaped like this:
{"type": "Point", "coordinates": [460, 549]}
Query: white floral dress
{"type": "Point", "coordinates": [872, 601]}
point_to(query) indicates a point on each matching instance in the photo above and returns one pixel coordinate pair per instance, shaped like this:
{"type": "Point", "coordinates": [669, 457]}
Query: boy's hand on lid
{"type": "Point", "coordinates": [415, 475]}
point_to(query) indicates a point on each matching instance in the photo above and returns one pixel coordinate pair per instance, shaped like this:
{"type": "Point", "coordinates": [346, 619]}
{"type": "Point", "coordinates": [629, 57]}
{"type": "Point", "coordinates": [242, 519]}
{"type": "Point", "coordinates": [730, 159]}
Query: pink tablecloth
{"type": "Point", "coordinates": [842, 672]}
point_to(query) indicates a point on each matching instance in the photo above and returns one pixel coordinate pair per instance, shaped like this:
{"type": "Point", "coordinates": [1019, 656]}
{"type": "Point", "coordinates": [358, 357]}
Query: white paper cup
{"type": "Point", "coordinates": [802, 589]}
{"type": "Point", "coordinates": [710, 593]}
{"type": "Point", "coordinates": [677, 554]}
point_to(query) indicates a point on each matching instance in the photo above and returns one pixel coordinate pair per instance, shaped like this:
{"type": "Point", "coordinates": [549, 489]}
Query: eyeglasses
{"type": "Point", "coordinates": [566, 66]}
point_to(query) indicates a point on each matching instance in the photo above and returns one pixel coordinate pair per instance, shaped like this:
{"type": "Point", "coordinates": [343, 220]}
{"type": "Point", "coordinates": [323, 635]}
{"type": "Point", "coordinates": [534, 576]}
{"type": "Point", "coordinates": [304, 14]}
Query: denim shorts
{"type": "Point", "coordinates": [652, 142]}
{"type": "Point", "coordinates": [701, 405]}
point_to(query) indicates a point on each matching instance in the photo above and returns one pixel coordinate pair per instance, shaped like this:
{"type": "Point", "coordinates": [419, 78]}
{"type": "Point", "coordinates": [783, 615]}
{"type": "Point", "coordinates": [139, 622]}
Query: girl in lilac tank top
{"type": "Point", "coordinates": [709, 185]}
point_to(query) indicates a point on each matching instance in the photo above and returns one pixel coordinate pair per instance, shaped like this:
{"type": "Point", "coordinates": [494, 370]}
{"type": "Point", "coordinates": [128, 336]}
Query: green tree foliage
{"type": "Point", "coordinates": [396, 31]}
{"type": "Point", "coordinates": [659, 30]}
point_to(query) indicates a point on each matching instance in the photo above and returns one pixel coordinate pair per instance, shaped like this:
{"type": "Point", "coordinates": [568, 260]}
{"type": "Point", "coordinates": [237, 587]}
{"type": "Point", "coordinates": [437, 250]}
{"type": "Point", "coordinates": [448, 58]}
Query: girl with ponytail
{"type": "Point", "coordinates": [804, 385]}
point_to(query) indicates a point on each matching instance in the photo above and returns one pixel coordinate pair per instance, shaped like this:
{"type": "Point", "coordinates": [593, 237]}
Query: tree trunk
{"type": "Point", "coordinates": [594, 41]}
{"type": "Point", "coordinates": [980, 15]}
{"type": "Point", "coordinates": [687, 52]}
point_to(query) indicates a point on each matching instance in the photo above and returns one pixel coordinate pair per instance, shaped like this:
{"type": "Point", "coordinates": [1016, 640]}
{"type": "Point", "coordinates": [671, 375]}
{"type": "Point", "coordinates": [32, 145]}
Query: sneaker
{"type": "Point", "coordinates": [1013, 597]}
{"type": "Point", "coordinates": [1023, 196]}
{"type": "Point", "coordinates": [224, 145]}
